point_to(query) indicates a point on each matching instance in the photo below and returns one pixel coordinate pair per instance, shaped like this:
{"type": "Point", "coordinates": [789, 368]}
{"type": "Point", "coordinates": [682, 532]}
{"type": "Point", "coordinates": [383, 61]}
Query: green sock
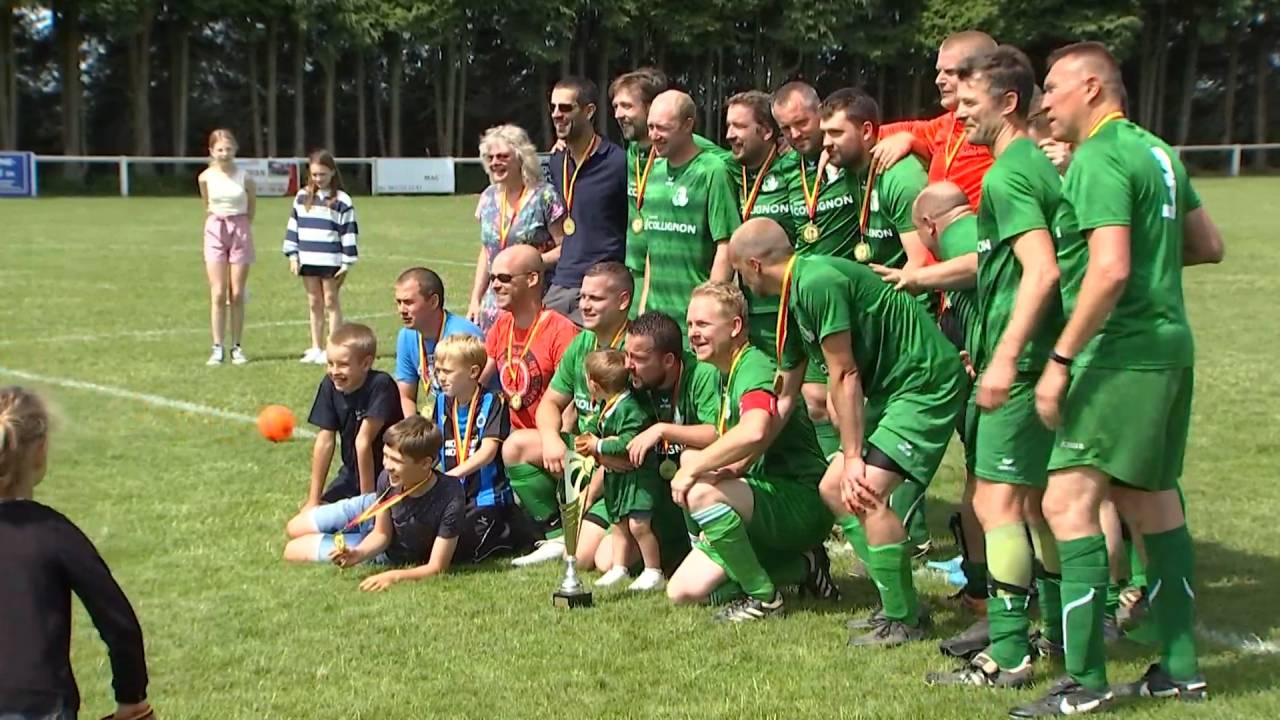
{"type": "Point", "coordinates": [855, 535]}
{"type": "Point", "coordinates": [1085, 574]}
{"type": "Point", "coordinates": [1137, 568]}
{"type": "Point", "coordinates": [725, 593]}
{"type": "Point", "coordinates": [828, 437]}
{"type": "Point", "coordinates": [890, 568]}
{"type": "Point", "coordinates": [1009, 564]}
{"type": "Point", "coordinates": [727, 535]}
{"type": "Point", "coordinates": [1170, 561]}
{"type": "Point", "coordinates": [907, 502]}
{"type": "Point", "coordinates": [536, 489]}
{"type": "Point", "coordinates": [1048, 570]}
{"type": "Point", "coordinates": [975, 578]}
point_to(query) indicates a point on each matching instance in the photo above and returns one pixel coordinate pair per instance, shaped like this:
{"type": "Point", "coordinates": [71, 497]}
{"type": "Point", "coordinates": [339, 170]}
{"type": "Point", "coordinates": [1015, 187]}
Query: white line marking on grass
{"type": "Point", "coordinates": [161, 332]}
{"type": "Point", "coordinates": [426, 262]}
{"type": "Point", "coordinates": [145, 398]}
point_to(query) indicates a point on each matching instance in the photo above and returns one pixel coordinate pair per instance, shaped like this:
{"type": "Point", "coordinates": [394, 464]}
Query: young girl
{"type": "Point", "coordinates": [320, 243]}
{"type": "Point", "coordinates": [45, 559]}
{"type": "Point", "coordinates": [229, 200]}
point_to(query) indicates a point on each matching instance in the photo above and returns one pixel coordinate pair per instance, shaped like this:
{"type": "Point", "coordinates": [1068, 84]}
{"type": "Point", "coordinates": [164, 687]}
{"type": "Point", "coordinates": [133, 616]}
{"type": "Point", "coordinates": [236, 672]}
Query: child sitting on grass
{"type": "Point", "coordinates": [629, 496]}
{"type": "Point", "coordinates": [45, 559]}
{"type": "Point", "coordinates": [474, 423]}
{"type": "Point", "coordinates": [354, 405]}
{"type": "Point", "coordinates": [413, 520]}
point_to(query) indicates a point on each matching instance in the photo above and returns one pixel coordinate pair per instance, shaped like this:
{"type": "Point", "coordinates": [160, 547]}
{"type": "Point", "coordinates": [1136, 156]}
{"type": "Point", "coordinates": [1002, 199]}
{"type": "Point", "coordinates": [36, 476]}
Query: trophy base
{"type": "Point", "coordinates": [561, 599]}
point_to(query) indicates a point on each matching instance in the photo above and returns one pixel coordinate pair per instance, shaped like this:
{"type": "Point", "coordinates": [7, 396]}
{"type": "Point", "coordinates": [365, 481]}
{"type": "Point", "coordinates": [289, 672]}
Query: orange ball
{"type": "Point", "coordinates": [276, 423]}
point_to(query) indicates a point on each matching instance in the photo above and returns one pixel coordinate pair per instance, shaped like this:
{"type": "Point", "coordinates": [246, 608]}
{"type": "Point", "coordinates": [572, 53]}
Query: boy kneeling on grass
{"type": "Point", "coordinates": [629, 497]}
{"type": "Point", "coordinates": [413, 520]}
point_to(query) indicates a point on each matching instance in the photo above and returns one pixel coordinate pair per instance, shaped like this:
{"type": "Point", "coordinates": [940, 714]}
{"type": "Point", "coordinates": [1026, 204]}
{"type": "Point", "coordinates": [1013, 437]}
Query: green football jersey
{"type": "Point", "coordinates": [619, 422]}
{"type": "Point", "coordinates": [794, 454]}
{"type": "Point", "coordinates": [698, 403]}
{"type": "Point", "coordinates": [570, 377]}
{"type": "Point", "coordinates": [889, 214]}
{"type": "Point", "coordinates": [837, 213]}
{"type": "Point", "coordinates": [772, 202]}
{"type": "Point", "coordinates": [688, 211]}
{"type": "Point", "coordinates": [1125, 176]}
{"type": "Point", "coordinates": [897, 347]}
{"type": "Point", "coordinates": [961, 238]}
{"type": "Point", "coordinates": [1021, 192]}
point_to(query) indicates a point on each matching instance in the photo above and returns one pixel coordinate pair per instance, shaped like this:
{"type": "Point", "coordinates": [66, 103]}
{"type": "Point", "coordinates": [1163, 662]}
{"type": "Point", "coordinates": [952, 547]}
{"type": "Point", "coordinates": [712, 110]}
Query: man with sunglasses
{"type": "Point", "coordinates": [590, 173]}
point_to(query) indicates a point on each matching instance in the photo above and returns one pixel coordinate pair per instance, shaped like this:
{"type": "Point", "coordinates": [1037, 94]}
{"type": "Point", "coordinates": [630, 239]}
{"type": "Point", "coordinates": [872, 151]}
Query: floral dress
{"type": "Point", "coordinates": [540, 208]}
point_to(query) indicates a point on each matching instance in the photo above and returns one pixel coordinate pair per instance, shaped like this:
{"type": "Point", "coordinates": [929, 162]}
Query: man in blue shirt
{"type": "Point", "coordinates": [591, 174]}
{"type": "Point", "coordinates": [420, 302]}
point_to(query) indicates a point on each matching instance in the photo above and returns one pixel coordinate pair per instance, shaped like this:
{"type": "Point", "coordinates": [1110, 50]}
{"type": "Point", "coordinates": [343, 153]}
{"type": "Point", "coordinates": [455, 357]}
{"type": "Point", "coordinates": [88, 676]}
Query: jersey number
{"type": "Point", "coordinates": [1169, 210]}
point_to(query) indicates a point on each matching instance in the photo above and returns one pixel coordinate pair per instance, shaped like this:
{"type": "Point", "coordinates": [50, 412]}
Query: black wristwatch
{"type": "Point", "coordinates": [1059, 358]}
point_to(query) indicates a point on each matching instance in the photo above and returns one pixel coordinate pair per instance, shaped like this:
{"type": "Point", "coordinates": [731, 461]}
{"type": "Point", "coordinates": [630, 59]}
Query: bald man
{"type": "Point", "coordinates": [896, 387]}
{"type": "Point", "coordinates": [690, 210]}
{"type": "Point", "coordinates": [942, 140]}
{"type": "Point", "coordinates": [1127, 356]}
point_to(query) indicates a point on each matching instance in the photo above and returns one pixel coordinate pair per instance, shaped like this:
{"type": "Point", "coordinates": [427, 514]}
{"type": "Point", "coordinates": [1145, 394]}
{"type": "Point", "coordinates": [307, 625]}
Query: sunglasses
{"type": "Point", "coordinates": [564, 107]}
{"type": "Point", "coordinates": [506, 278]}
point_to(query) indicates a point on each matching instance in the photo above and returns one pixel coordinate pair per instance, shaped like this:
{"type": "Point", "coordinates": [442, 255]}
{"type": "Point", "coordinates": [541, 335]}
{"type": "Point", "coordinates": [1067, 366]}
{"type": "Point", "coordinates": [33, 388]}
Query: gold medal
{"type": "Point", "coordinates": [637, 225]}
{"type": "Point", "coordinates": [428, 408]}
{"type": "Point", "coordinates": [667, 469]}
{"type": "Point", "coordinates": [516, 402]}
{"type": "Point", "coordinates": [811, 233]}
{"type": "Point", "coordinates": [340, 542]}
{"type": "Point", "coordinates": [862, 252]}
{"type": "Point", "coordinates": [570, 227]}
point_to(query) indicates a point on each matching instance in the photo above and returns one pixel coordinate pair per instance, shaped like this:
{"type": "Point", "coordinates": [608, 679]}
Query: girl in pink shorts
{"type": "Point", "coordinates": [229, 198]}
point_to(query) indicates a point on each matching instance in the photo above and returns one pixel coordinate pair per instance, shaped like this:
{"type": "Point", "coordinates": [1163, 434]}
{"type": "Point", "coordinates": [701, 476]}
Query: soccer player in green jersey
{"type": "Point", "coordinates": [762, 168]}
{"type": "Point", "coordinates": [534, 457]}
{"type": "Point", "coordinates": [1118, 385]}
{"type": "Point", "coordinates": [690, 210]}
{"type": "Point", "coordinates": [754, 491]}
{"type": "Point", "coordinates": [850, 121]}
{"type": "Point", "coordinates": [1020, 310]}
{"type": "Point", "coordinates": [882, 349]}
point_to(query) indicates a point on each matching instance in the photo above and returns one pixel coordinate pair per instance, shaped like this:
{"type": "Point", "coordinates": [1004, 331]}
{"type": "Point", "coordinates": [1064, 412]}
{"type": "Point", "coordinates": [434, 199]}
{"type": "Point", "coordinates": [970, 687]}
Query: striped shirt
{"type": "Point", "coordinates": [322, 236]}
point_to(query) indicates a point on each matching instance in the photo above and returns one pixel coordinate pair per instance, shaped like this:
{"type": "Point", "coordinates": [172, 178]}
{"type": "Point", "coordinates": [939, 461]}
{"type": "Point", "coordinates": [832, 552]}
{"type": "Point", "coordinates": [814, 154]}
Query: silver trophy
{"type": "Point", "coordinates": [577, 476]}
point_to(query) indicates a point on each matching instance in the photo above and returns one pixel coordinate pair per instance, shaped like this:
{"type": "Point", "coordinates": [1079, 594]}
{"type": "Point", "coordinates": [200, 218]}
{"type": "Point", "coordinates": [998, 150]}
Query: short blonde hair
{"type": "Point", "coordinates": [467, 349]}
{"type": "Point", "coordinates": [24, 421]}
{"type": "Point", "coordinates": [357, 338]}
{"type": "Point", "coordinates": [608, 369]}
{"type": "Point", "coordinates": [726, 294]}
{"type": "Point", "coordinates": [514, 137]}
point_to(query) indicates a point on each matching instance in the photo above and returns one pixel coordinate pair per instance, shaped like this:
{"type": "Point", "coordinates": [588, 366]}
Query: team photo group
{"type": "Point", "coordinates": [693, 370]}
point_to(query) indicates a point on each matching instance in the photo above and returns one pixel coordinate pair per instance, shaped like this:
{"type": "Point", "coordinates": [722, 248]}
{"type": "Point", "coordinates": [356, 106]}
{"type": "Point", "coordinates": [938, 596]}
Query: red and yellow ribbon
{"type": "Point", "coordinates": [504, 223]}
{"type": "Point", "coordinates": [811, 198]}
{"type": "Point", "coordinates": [571, 181]}
{"type": "Point", "coordinates": [642, 179]}
{"type": "Point", "coordinates": [728, 386]}
{"type": "Point", "coordinates": [462, 444]}
{"type": "Point", "coordinates": [424, 370]}
{"type": "Point", "coordinates": [511, 334]}
{"type": "Point", "coordinates": [784, 309]}
{"type": "Point", "coordinates": [954, 143]}
{"type": "Point", "coordinates": [1108, 118]}
{"type": "Point", "coordinates": [864, 213]}
{"type": "Point", "coordinates": [749, 199]}
{"type": "Point", "coordinates": [385, 503]}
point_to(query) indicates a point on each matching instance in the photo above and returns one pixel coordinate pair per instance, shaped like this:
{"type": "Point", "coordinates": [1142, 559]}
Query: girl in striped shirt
{"type": "Point", "coordinates": [320, 243]}
{"type": "Point", "coordinates": [228, 240]}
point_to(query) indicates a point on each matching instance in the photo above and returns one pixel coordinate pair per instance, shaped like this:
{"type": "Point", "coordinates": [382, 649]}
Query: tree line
{"type": "Point", "coordinates": [415, 77]}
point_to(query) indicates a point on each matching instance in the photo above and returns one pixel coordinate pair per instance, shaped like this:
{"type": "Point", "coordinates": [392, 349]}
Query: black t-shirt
{"type": "Point", "coordinates": [44, 558]}
{"type": "Point", "coordinates": [378, 397]}
{"type": "Point", "coordinates": [416, 522]}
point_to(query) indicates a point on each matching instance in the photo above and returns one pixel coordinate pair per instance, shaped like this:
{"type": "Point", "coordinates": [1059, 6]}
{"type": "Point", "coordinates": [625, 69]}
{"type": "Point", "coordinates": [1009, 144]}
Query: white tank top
{"type": "Point", "coordinates": [227, 195]}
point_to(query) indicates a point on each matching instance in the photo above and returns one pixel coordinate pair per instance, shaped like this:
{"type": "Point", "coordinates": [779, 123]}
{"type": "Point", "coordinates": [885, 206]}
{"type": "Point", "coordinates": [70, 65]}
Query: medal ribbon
{"type": "Point", "coordinates": [811, 199]}
{"type": "Point", "coordinates": [511, 334]}
{"type": "Point", "coordinates": [724, 406]}
{"type": "Point", "coordinates": [749, 200]}
{"type": "Point", "coordinates": [784, 308]}
{"type": "Point", "coordinates": [675, 405]}
{"type": "Point", "coordinates": [385, 503]}
{"type": "Point", "coordinates": [463, 444]}
{"type": "Point", "coordinates": [642, 180]}
{"type": "Point", "coordinates": [953, 145]}
{"type": "Point", "coordinates": [609, 406]}
{"type": "Point", "coordinates": [424, 370]}
{"type": "Point", "coordinates": [571, 182]}
{"type": "Point", "coordinates": [613, 344]}
{"type": "Point", "coordinates": [1110, 116]}
{"type": "Point", "coordinates": [505, 225]}
{"type": "Point", "coordinates": [864, 213]}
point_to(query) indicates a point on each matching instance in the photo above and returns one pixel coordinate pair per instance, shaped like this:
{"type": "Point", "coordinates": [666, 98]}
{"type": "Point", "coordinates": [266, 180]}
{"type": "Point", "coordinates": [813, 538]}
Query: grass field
{"type": "Point", "coordinates": [99, 295]}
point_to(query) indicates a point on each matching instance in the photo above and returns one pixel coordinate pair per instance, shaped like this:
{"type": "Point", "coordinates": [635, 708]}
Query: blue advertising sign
{"type": "Point", "coordinates": [17, 174]}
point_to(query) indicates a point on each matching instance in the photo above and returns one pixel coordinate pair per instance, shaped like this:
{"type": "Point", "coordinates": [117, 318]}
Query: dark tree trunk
{"type": "Point", "coordinates": [273, 74]}
{"type": "Point", "coordinates": [329, 66]}
{"type": "Point", "coordinates": [544, 118]}
{"type": "Point", "coordinates": [255, 101]}
{"type": "Point", "coordinates": [1162, 77]}
{"type": "Point", "coordinates": [180, 86]}
{"type": "Point", "coordinates": [450, 70]}
{"type": "Point", "coordinates": [1262, 80]}
{"type": "Point", "coordinates": [70, 36]}
{"type": "Point", "coordinates": [395, 84]}
{"type": "Point", "coordinates": [1231, 81]}
{"type": "Point", "coordinates": [439, 70]}
{"type": "Point", "coordinates": [300, 90]}
{"type": "Point", "coordinates": [138, 50]}
{"type": "Point", "coordinates": [602, 81]}
{"type": "Point", "coordinates": [362, 109]}
{"type": "Point", "coordinates": [1188, 83]}
{"type": "Point", "coordinates": [8, 79]}
{"type": "Point", "coordinates": [379, 127]}
{"type": "Point", "coordinates": [460, 127]}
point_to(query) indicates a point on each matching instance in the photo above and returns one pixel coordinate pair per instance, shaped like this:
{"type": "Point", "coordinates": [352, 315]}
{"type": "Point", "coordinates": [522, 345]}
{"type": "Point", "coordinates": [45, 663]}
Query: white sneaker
{"type": "Point", "coordinates": [310, 355]}
{"type": "Point", "coordinates": [650, 579]}
{"type": "Point", "coordinates": [215, 357]}
{"type": "Point", "coordinates": [237, 356]}
{"type": "Point", "coordinates": [615, 575]}
{"type": "Point", "coordinates": [546, 551]}
{"type": "Point", "coordinates": [321, 358]}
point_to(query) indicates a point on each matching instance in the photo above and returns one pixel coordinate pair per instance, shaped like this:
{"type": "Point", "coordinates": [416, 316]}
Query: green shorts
{"type": "Point", "coordinates": [914, 429]}
{"type": "Point", "coordinates": [1130, 424]}
{"type": "Point", "coordinates": [635, 492]}
{"type": "Point", "coordinates": [1010, 444]}
{"type": "Point", "coordinates": [789, 519]}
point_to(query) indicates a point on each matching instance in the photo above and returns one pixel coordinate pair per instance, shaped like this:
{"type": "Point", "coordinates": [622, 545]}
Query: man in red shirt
{"type": "Point", "coordinates": [527, 340]}
{"type": "Point", "coordinates": [941, 141]}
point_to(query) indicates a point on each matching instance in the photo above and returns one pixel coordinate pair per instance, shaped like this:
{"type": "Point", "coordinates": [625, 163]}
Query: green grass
{"type": "Point", "coordinates": [189, 509]}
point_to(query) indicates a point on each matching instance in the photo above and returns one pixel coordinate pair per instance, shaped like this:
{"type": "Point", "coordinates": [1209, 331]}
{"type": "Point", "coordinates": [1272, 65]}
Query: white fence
{"type": "Point", "coordinates": [436, 175]}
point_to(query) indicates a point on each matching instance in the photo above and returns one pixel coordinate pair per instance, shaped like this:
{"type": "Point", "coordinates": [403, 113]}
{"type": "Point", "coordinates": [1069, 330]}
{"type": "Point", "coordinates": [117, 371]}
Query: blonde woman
{"type": "Point", "coordinates": [518, 207]}
{"type": "Point", "coordinates": [229, 202]}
